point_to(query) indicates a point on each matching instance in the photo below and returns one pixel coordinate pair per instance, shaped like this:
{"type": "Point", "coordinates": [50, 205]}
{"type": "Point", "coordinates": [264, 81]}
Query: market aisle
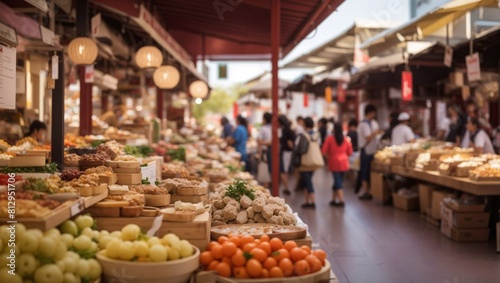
{"type": "Point", "coordinates": [368, 242]}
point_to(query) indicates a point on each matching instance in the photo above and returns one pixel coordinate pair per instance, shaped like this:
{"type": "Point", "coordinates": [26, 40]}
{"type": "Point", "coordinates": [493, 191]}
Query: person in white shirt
{"type": "Point", "coordinates": [368, 133]}
{"type": "Point", "coordinates": [264, 140]}
{"type": "Point", "coordinates": [402, 133]}
{"type": "Point", "coordinates": [478, 139]}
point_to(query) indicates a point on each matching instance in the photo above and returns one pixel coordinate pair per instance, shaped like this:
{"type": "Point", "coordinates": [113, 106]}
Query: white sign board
{"type": "Point", "coordinates": [448, 56]}
{"type": "Point", "coordinates": [473, 68]}
{"type": "Point", "coordinates": [7, 77]}
{"type": "Point", "coordinates": [48, 36]}
{"type": "Point", "coordinates": [95, 24]}
{"type": "Point", "coordinates": [8, 35]}
{"type": "Point", "coordinates": [149, 172]}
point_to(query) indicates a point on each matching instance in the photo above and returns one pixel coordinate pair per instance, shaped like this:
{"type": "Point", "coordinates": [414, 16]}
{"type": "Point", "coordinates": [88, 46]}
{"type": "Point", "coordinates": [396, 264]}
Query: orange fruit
{"type": "Point", "coordinates": [276, 244]}
{"type": "Point", "coordinates": [206, 258]}
{"type": "Point", "coordinates": [270, 263]}
{"type": "Point", "coordinates": [236, 240]}
{"type": "Point", "coordinates": [257, 241]}
{"type": "Point", "coordinates": [245, 239]}
{"type": "Point", "coordinates": [276, 272]}
{"type": "Point", "coordinates": [302, 267]}
{"type": "Point", "coordinates": [227, 260]}
{"type": "Point", "coordinates": [240, 272]}
{"type": "Point", "coordinates": [307, 249]}
{"type": "Point", "coordinates": [321, 255]}
{"type": "Point", "coordinates": [223, 269]}
{"type": "Point", "coordinates": [287, 266]}
{"type": "Point", "coordinates": [222, 239]}
{"type": "Point", "coordinates": [254, 268]}
{"type": "Point", "coordinates": [264, 238]}
{"type": "Point", "coordinates": [265, 273]}
{"type": "Point", "coordinates": [213, 264]}
{"type": "Point", "coordinates": [248, 247]}
{"type": "Point", "coordinates": [297, 254]}
{"type": "Point", "coordinates": [210, 245]}
{"type": "Point", "coordinates": [289, 245]}
{"type": "Point", "coordinates": [314, 263]}
{"type": "Point", "coordinates": [238, 259]}
{"type": "Point", "coordinates": [229, 248]}
{"type": "Point", "coordinates": [217, 251]}
{"type": "Point", "coordinates": [258, 254]}
{"type": "Point", "coordinates": [281, 254]}
{"type": "Point", "coordinates": [265, 246]}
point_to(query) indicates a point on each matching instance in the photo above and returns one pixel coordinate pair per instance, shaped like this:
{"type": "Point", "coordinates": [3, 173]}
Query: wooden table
{"type": "Point", "coordinates": [461, 184]}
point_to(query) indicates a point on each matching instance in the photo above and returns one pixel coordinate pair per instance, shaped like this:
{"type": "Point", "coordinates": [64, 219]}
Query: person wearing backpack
{"type": "Point", "coordinates": [308, 158]}
{"type": "Point", "coordinates": [336, 150]}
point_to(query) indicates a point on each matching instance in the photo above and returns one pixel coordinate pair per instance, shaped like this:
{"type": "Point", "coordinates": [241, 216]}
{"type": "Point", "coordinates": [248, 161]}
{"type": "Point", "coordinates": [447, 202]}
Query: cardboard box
{"type": "Point", "coordinates": [437, 198]}
{"type": "Point", "coordinates": [425, 196]}
{"type": "Point", "coordinates": [405, 203]}
{"type": "Point", "coordinates": [466, 207]}
{"type": "Point", "coordinates": [470, 235]}
{"type": "Point", "coordinates": [379, 187]}
{"type": "Point", "coordinates": [464, 219]}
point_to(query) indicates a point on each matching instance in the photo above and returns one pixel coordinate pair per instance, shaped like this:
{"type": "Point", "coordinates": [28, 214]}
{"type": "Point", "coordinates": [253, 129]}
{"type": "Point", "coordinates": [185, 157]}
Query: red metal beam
{"type": "Point", "coordinates": [275, 53]}
{"type": "Point", "coordinates": [85, 104]}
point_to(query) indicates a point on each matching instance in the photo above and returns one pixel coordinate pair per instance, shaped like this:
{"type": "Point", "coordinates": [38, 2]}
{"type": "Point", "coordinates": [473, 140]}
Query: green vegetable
{"type": "Point", "coordinates": [49, 168]}
{"type": "Point", "coordinates": [139, 151]}
{"type": "Point", "coordinates": [177, 154]}
{"type": "Point", "coordinates": [145, 181]}
{"type": "Point", "coordinates": [157, 182]}
{"type": "Point", "coordinates": [233, 169]}
{"type": "Point", "coordinates": [96, 143]}
{"type": "Point", "coordinates": [239, 188]}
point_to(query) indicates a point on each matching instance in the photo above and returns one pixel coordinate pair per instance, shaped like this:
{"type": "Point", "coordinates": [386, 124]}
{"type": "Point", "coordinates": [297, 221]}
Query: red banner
{"type": "Point", "coordinates": [340, 92]}
{"type": "Point", "coordinates": [328, 94]}
{"type": "Point", "coordinates": [406, 86]}
{"type": "Point", "coordinates": [306, 99]}
{"type": "Point", "coordinates": [235, 110]}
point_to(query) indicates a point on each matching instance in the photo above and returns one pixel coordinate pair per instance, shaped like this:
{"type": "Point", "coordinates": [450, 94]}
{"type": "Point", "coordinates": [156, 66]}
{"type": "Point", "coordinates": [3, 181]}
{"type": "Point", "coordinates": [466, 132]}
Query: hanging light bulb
{"type": "Point", "coordinates": [198, 89]}
{"type": "Point", "coordinates": [198, 100]}
{"type": "Point", "coordinates": [148, 57]}
{"type": "Point", "coordinates": [166, 77]}
{"type": "Point", "coordinates": [82, 51]}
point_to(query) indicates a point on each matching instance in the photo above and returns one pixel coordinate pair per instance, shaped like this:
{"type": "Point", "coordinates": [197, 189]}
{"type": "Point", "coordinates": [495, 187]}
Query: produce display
{"type": "Point", "coordinates": [85, 180]}
{"type": "Point", "coordinates": [49, 168]}
{"type": "Point", "coordinates": [239, 204]}
{"type": "Point", "coordinates": [133, 198]}
{"type": "Point", "coordinates": [71, 160]}
{"type": "Point", "coordinates": [28, 205]}
{"type": "Point", "coordinates": [4, 179]}
{"type": "Point", "coordinates": [246, 257]}
{"type": "Point", "coordinates": [175, 169]}
{"type": "Point", "coordinates": [489, 171]}
{"type": "Point", "coordinates": [96, 157]}
{"type": "Point", "coordinates": [71, 174]}
{"type": "Point", "coordinates": [51, 185]}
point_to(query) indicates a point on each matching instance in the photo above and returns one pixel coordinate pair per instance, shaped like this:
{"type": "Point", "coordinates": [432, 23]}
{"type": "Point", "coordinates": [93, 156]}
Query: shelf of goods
{"type": "Point", "coordinates": [61, 213]}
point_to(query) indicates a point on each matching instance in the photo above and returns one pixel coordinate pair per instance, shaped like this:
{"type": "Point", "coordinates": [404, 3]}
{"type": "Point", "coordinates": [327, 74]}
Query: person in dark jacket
{"type": "Point", "coordinates": [227, 128]}
{"type": "Point", "coordinates": [323, 129]}
{"type": "Point", "coordinates": [287, 140]}
{"type": "Point", "coordinates": [353, 134]}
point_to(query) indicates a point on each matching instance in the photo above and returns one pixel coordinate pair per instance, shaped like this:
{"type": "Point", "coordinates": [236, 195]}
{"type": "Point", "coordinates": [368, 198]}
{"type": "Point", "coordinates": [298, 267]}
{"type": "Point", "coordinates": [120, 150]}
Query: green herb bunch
{"type": "Point", "coordinates": [239, 188]}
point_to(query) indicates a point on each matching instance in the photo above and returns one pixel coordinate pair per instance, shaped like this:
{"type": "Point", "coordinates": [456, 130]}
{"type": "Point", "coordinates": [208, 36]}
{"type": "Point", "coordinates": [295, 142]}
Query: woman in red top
{"type": "Point", "coordinates": [336, 150]}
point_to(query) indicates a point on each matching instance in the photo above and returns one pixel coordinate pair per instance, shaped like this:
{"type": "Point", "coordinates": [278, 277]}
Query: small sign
{"type": "Point", "coordinates": [76, 207]}
{"type": "Point", "coordinates": [40, 4]}
{"type": "Point", "coordinates": [328, 94]}
{"type": "Point", "coordinates": [55, 67]}
{"type": "Point", "coordinates": [448, 56]}
{"type": "Point", "coordinates": [406, 86]}
{"type": "Point", "coordinates": [48, 36]}
{"type": "Point", "coordinates": [8, 35]}
{"type": "Point", "coordinates": [473, 67]}
{"type": "Point", "coordinates": [89, 74]}
{"type": "Point", "coordinates": [7, 77]}
{"type": "Point", "coordinates": [96, 24]}
{"type": "Point", "coordinates": [149, 172]}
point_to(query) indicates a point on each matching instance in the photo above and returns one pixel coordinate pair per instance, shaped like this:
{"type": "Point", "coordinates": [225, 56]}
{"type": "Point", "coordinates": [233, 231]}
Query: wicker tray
{"type": "Point", "coordinates": [278, 231]}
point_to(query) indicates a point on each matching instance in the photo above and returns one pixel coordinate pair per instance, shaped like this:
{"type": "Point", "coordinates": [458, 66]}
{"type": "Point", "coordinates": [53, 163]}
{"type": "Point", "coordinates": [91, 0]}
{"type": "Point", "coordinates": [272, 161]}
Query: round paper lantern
{"type": "Point", "coordinates": [148, 57]}
{"type": "Point", "coordinates": [166, 77]}
{"type": "Point", "coordinates": [198, 89]}
{"type": "Point", "coordinates": [82, 51]}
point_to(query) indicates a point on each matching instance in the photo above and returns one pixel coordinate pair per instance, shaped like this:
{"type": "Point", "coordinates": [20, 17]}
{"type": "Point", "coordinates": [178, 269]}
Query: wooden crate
{"type": "Point", "coordinates": [196, 191]}
{"type": "Point", "coordinates": [27, 161]}
{"type": "Point", "coordinates": [129, 179]}
{"type": "Point", "coordinates": [61, 213]}
{"type": "Point", "coordinates": [192, 199]}
{"type": "Point", "coordinates": [109, 180]}
{"type": "Point", "coordinates": [92, 191]}
{"type": "Point", "coordinates": [196, 232]}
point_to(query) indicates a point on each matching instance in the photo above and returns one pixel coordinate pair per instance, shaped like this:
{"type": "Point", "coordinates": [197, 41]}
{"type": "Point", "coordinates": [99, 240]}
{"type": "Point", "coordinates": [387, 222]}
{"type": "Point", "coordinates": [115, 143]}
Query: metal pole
{"type": "Point", "coordinates": [159, 103]}
{"type": "Point", "coordinates": [82, 29]}
{"type": "Point", "coordinates": [57, 145]}
{"type": "Point", "coordinates": [275, 50]}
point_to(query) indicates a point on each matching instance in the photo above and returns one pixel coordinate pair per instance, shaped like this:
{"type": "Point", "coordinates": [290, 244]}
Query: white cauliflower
{"type": "Point", "coordinates": [275, 220]}
{"type": "Point", "coordinates": [229, 213]}
{"type": "Point", "coordinates": [250, 212]}
{"type": "Point", "coordinates": [288, 218]}
{"type": "Point", "coordinates": [268, 211]}
{"type": "Point", "coordinates": [218, 203]}
{"type": "Point", "coordinates": [245, 201]}
{"type": "Point", "coordinates": [258, 204]}
{"type": "Point", "coordinates": [242, 217]}
{"type": "Point", "coordinates": [234, 203]}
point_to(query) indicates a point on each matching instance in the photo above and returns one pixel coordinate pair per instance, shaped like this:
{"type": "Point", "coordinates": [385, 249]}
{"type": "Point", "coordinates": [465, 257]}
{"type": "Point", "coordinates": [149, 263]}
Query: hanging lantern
{"type": "Point", "coordinates": [328, 94]}
{"type": "Point", "coordinates": [148, 57]}
{"type": "Point", "coordinates": [82, 51]}
{"type": "Point", "coordinates": [198, 89]}
{"type": "Point", "coordinates": [166, 77]}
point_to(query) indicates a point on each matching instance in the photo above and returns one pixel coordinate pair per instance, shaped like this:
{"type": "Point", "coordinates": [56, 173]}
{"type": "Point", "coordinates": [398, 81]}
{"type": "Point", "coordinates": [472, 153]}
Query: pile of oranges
{"type": "Point", "coordinates": [246, 257]}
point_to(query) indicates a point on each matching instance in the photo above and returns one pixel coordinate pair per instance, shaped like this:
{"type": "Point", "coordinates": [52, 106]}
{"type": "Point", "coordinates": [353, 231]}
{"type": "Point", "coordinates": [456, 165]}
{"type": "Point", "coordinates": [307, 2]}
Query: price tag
{"type": "Point", "coordinates": [156, 226]}
{"type": "Point", "coordinates": [55, 67]}
{"type": "Point", "coordinates": [76, 208]}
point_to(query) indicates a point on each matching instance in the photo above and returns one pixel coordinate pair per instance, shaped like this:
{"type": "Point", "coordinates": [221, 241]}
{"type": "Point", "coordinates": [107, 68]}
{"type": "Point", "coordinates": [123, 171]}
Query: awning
{"type": "Point", "coordinates": [487, 44]}
{"type": "Point", "coordinates": [338, 51]}
{"type": "Point", "coordinates": [23, 25]}
{"type": "Point", "coordinates": [262, 88]}
{"type": "Point", "coordinates": [426, 24]}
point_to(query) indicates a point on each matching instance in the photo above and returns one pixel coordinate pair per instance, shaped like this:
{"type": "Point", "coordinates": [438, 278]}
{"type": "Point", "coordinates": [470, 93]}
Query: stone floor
{"type": "Point", "coordinates": [369, 242]}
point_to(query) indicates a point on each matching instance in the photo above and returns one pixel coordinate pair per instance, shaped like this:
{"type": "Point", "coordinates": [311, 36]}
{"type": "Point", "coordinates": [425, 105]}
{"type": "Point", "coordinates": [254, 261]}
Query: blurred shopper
{"type": "Point", "coordinates": [393, 122]}
{"type": "Point", "coordinates": [113, 116]}
{"type": "Point", "coordinates": [37, 131]}
{"type": "Point", "coordinates": [309, 152]}
{"type": "Point", "coordinates": [227, 128]}
{"type": "Point", "coordinates": [264, 140]}
{"type": "Point", "coordinates": [337, 150]}
{"type": "Point", "coordinates": [239, 139]}
{"type": "Point", "coordinates": [473, 112]}
{"type": "Point", "coordinates": [353, 134]}
{"type": "Point", "coordinates": [287, 140]}
{"type": "Point", "coordinates": [457, 125]}
{"type": "Point", "coordinates": [479, 140]}
{"type": "Point", "coordinates": [299, 129]}
{"type": "Point", "coordinates": [402, 133]}
{"type": "Point", "coordinates": [323, 129]}
{"type": "Point", "coordinates": [368, 130]}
